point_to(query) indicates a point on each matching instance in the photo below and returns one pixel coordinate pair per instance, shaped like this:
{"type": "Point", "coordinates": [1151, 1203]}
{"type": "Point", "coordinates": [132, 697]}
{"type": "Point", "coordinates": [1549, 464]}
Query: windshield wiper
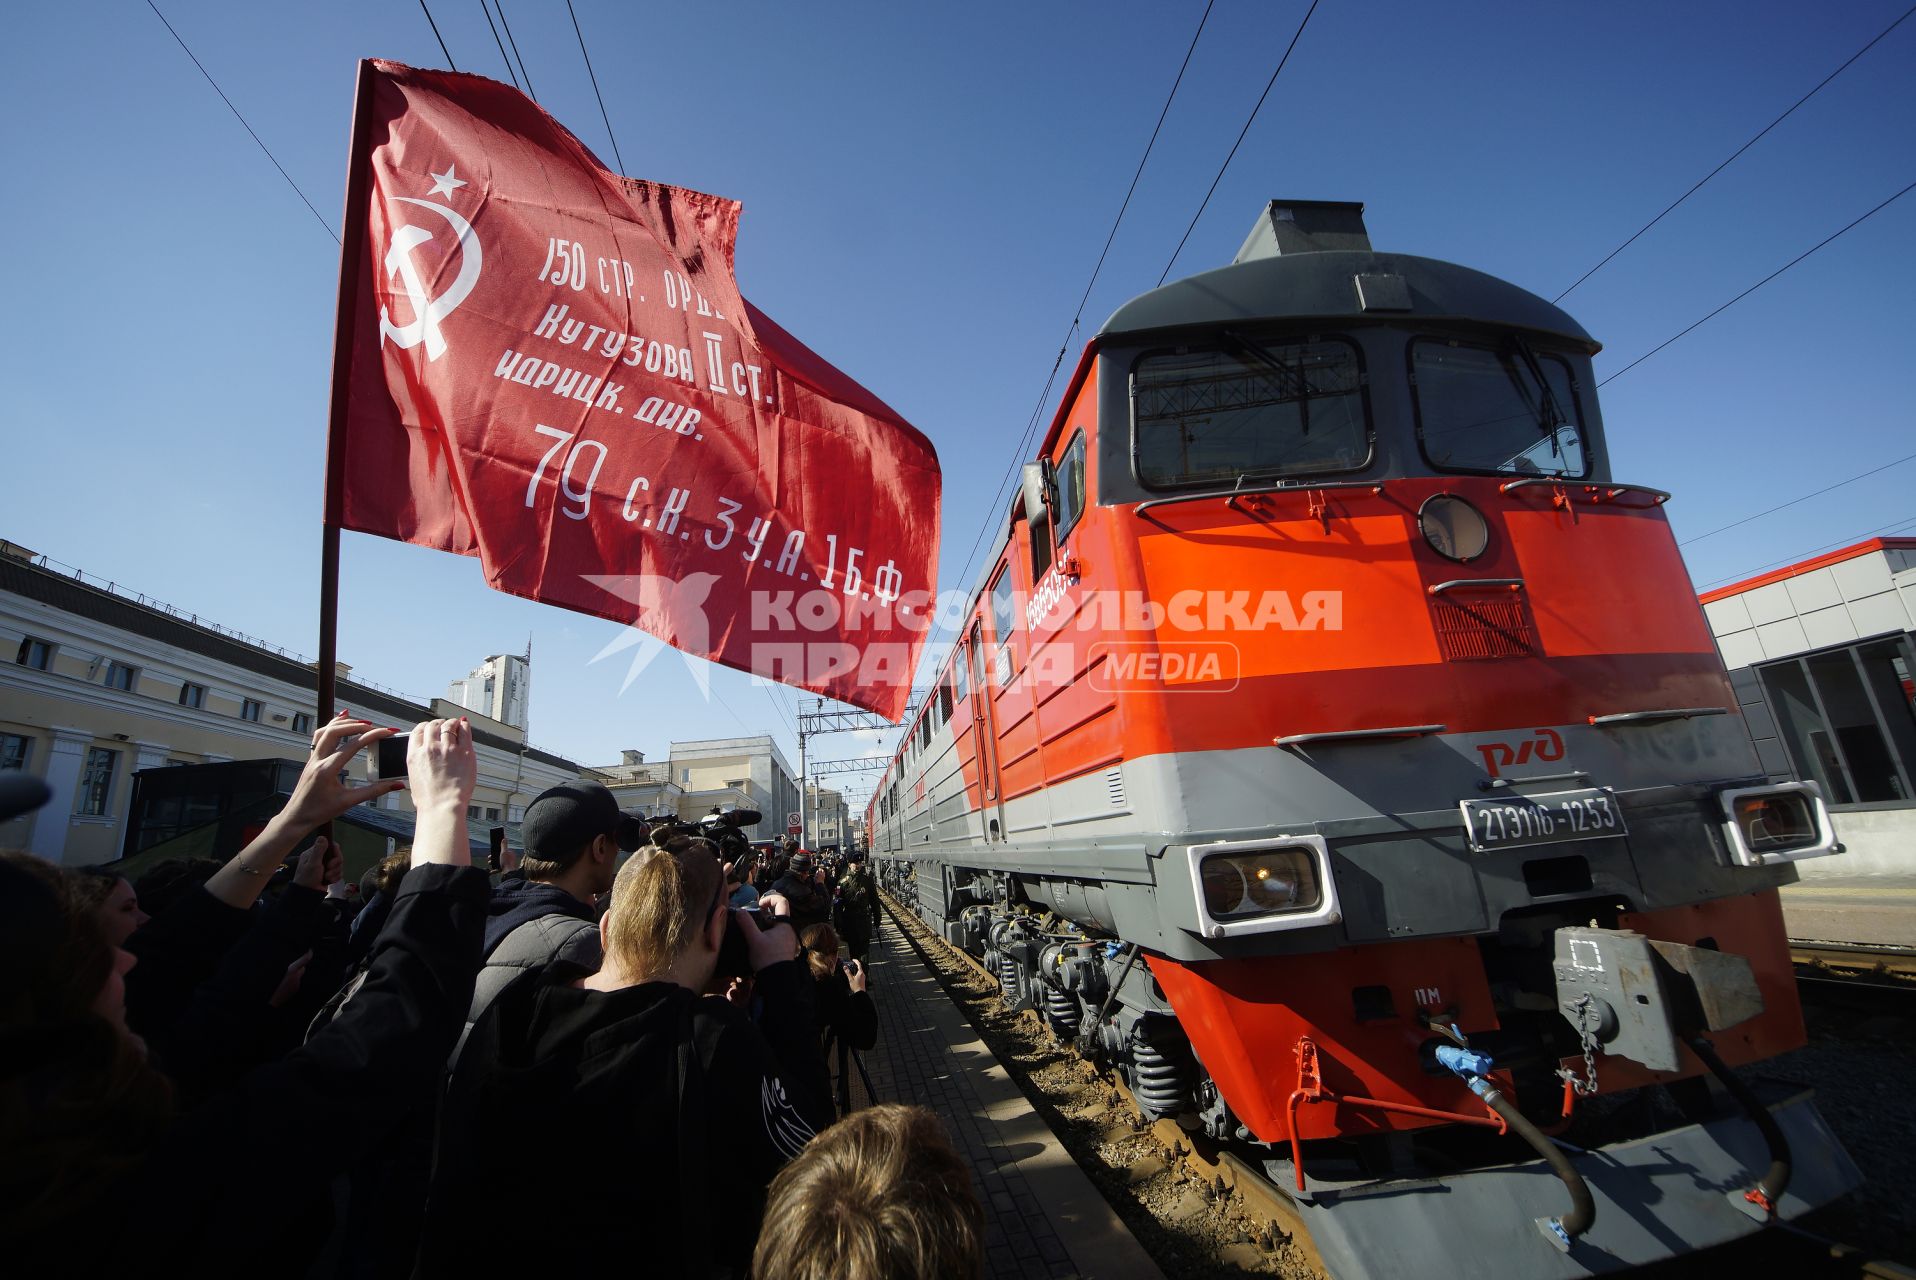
{"type": "Point", "coordinates": [1550, 415]}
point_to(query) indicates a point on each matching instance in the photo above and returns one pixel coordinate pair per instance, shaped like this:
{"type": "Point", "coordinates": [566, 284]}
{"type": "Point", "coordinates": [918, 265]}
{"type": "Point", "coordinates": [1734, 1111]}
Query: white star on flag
{"type": "Point", "coordinates": [445, 183]}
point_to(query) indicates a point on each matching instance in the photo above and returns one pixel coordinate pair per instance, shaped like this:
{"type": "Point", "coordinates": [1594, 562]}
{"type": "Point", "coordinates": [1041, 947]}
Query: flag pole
{"type": "Point", "coordinates": [352, 242]}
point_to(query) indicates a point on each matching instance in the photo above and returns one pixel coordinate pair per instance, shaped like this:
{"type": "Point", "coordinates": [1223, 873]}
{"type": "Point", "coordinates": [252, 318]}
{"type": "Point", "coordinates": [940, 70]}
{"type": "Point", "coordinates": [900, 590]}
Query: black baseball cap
{"type": "Point", "coordinates": [564, 819]}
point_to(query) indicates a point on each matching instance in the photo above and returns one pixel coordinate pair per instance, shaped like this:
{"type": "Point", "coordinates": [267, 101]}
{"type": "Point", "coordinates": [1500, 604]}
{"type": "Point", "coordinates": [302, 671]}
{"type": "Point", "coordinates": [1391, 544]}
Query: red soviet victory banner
{"type": "Point", "coordinates": [550, 367]}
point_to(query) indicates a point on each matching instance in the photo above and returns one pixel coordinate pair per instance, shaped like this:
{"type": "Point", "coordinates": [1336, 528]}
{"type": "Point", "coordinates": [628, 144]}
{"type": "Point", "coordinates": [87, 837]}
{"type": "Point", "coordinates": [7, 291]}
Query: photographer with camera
{"type": "Point", "coordinates": [649, 1108]}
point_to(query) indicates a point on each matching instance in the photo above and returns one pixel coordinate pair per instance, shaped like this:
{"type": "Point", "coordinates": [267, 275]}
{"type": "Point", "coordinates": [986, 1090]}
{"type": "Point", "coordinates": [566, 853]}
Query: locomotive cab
{"type": "Point", "coordinates": [1332, 742]}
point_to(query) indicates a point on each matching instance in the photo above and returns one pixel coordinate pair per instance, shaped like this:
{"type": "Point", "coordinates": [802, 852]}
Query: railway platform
{"type": "Point", "coordinates": [1873, 910]}
{"type": "Point", "coordinates": [1044, 1220]}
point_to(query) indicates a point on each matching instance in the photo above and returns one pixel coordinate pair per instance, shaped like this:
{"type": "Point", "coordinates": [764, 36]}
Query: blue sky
{"type": "Point", "coordinates": [926, 189]}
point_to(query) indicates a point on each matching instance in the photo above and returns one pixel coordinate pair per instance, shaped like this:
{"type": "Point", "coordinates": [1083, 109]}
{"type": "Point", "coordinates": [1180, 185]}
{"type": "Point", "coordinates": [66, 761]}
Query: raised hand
{"type": "Point", "coordinates": [442, 769]}
{"type": "Point", "coordinates": [321, 793]}
{"type": "Point", "coordinates": [320, 864]}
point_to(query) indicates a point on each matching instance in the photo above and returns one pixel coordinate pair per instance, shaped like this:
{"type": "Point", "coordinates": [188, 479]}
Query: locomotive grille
{"type": "Point", "coordinates": [1478, 629]}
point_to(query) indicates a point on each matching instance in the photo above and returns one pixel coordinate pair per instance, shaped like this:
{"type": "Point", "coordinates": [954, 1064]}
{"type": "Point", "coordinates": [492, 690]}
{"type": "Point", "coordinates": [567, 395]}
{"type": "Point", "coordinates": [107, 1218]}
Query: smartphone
{"type": "Point", "coordinates": [391, 761]}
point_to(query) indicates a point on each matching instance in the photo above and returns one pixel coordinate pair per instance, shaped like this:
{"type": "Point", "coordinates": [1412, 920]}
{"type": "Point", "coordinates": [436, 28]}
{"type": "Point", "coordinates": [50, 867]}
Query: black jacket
{"type": "Point", "coordinates": [845, 1014]}
{"type": "Point", "coordinates": [235, 1182]}
{"type": "Point", "coordinates": [578, 1094]}
{"type": "Point", "coordinates": [810, 904]}
{"type": "Point", "coordinates": [206, 1036]}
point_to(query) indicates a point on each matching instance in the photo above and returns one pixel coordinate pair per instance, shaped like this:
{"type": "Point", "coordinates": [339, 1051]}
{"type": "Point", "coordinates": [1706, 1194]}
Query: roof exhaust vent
{"type": "Point", "coordinates": [1305, 226]}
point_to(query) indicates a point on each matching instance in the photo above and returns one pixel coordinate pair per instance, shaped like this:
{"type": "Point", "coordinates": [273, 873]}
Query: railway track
{"type": "Point", "coordinates": [1224, 1178]}
{"type": "Point", "coordinates": [1887, 968]}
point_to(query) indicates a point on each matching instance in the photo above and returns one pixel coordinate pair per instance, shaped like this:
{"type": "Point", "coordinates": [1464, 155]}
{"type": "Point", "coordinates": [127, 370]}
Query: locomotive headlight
{"type": "Point", "coordinates": [1453, 528]}
{"type": "Point", "coordinates": [1780, 823]}
{"type": "Point", "coordinates": [1256, 886]}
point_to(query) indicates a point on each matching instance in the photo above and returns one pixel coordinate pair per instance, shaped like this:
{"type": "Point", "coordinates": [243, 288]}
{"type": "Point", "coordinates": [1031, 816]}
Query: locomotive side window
{"type": "Point", "coordinates": [1070, 489]}
{"type": "Point", "coordinates": [1041, 546]}
{"type": "Point", "coordinates": [1489, 408]}
{"type": "Point", "coordinates": [1001, 625]}
{"type": "Point", "coordinates": [1204, 417]}
{"type": "Point", "coordinates": [959, 687]}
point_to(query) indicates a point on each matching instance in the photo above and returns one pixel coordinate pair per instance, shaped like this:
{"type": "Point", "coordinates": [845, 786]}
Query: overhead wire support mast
{"type": "Point", "coordinates": [819, 721]}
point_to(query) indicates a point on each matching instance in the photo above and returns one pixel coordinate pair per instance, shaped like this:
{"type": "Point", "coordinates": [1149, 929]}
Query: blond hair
{"type": "Point", "coordinates": [659, 904]}
{"type": "Point", "coordinates": [881, 1195]}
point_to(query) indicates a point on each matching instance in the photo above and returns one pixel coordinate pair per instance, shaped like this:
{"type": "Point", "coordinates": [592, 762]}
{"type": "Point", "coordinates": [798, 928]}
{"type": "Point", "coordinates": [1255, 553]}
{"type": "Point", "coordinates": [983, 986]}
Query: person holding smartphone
{"type": "Point", "coordinates": [845, 1011]}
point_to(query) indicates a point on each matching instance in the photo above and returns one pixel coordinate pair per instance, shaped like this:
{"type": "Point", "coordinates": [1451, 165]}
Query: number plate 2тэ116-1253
{"type": "Point", "coordinates": [1508, 822]}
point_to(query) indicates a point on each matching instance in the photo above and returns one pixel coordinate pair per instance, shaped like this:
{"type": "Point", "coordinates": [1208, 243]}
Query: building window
{"type": "Point", "coordinates": [193, 695]}
{"type": "Point", "coordinates": [1847, 719]}
{"type": "Point", "coordinates": [250, 710]}
{"type": "Point", "coordinates": [121, 676]}
{"type": "Point", "coordinates": [472, 813]}
{"type": "Point", "coordinates": [37, 654]}
{"type": "Point", "coordinates": [14, 750]}
{"type": "Point", "coordinates": [302, 722]}
{"type": "Point", "coordinates": [174, 763]}
{"type": "Point", "coordinates": [492, 815]}
{"type": "Point", "coordinates": [96, 782]}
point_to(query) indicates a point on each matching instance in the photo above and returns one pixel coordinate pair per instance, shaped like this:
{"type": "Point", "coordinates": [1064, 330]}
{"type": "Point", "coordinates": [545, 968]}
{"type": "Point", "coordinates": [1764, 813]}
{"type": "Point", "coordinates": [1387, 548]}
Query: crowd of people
{"type": "Point", "coordinates": [610, 1054]}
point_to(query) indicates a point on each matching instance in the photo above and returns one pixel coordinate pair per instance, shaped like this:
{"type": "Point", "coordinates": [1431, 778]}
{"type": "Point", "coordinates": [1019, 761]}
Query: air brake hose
{"type": "Point", "coordinates": [1561, 1231]}
{"type": "Point", "coordinates": [1768, 1192]}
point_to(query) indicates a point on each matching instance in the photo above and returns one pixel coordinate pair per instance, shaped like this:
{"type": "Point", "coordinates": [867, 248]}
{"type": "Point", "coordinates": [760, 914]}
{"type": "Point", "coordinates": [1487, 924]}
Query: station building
{"type": "Point", "coordinates": [101, 688]}
{"type": "Point", "coordinates": [1822, 655]}
{"type": "Point", "coordinates": [743, 773]}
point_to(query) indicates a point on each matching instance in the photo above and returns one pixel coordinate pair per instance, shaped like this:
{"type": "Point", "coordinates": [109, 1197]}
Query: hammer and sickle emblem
{"type": "Point", "coordinates": [427, 310]}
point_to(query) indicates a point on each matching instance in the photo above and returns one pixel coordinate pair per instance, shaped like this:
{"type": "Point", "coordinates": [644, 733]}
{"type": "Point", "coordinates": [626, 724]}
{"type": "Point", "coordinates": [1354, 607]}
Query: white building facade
{"type": "Point", "coordinates": [97, 684]}
{"type": "Point", "coordinates": [1823, 655]}
{"type": "Point", "coordinates": [500, 688]}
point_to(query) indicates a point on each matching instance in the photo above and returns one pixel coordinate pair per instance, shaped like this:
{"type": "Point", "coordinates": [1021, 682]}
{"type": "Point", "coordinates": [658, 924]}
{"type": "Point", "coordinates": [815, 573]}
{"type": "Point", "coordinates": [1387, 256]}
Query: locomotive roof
{"type": "Point", "coordinates": [1326, 285]}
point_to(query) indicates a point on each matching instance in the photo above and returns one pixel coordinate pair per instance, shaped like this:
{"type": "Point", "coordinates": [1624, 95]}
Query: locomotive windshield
{"type": "Point", "coordinates": [1496, 408]}
{"type": "Point", "coordinates": [1248, 408]}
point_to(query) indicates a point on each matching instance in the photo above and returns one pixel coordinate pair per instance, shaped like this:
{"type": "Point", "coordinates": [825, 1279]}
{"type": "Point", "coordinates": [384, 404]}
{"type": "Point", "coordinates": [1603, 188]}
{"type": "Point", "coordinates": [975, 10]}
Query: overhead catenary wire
{"type": "Point", "coordinates": [1734, 524]}
{"type": "Point", "coordinates": [1759, 284]}
{"type": "Point", "coordinates": [450, 64]}
{"type": "Point", "coordinates": [1269, 85]}
{"type": "Point", "coordinates": [242, 119]}
{"type": "Point", "coordinates": [532, 93]}
{"type": "Point", "coordinates": [511, 75]}
{"type": "Point", "coordinates": [1734, 154]}
{"type": "Point", "coordinates": [595, 85]}
{"type": "Point", "coordinates": [1044, 396]}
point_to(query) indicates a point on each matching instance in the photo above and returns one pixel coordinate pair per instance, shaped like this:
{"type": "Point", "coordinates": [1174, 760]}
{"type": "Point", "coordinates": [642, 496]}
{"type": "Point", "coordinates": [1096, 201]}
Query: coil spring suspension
{"type": "Point", "coordinates": [1008, 976]}
{"type": "Point", "coordinates": [1160, 1084]}
{"type": "Point", "coordinates": [1061, 1007]}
